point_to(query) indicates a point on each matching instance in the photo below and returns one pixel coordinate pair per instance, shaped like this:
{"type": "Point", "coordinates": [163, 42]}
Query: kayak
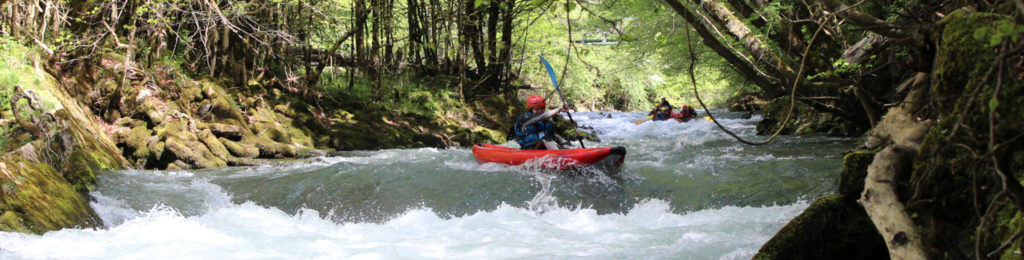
{"type": "Point", "coordinates": [566, 159]}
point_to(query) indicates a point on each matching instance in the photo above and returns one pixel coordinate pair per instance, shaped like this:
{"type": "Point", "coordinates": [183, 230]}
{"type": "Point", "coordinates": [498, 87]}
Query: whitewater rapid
{"type": "Point", "coordinates": [687, 191]}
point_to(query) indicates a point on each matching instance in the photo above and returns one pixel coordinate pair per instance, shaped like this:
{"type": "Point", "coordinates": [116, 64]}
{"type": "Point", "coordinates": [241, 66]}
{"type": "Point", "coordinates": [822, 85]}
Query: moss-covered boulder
{"type": "Point", "coordinates": [232, 132]}
{"type": "Point", "coordinates": [955, 192]}
{"type": "Point", "coordinates": [35, 198]}
{"type": "Point", "coordinates": [241, 150]}
{"type": "Point", "coordinates": [833, 227]}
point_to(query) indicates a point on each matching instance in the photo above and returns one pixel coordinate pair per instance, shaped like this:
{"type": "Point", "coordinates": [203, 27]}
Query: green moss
{"type": "Point", "coordinates": [137, 142]}
{"type": "Point", "coordinates": [38, 199]}
{"type": "Point", "coordinates": [950, 184]}
{"type": "Point", "coordinates": [270, 148]}
{"type": "Point", "coordinates": [242, 150]}
{"type": "Point", "coordinates": [831, 227]}
{"type": "Point", "coordinates": [855, 169]}
{"type": "Point", "coordinates": [11, 221]}
{"type": "Point", "coordinates": [215, 146]}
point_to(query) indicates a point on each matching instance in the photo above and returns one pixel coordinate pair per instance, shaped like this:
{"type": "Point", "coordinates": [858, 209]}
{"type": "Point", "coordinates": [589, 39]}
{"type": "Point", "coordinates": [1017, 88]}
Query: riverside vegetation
{"type": "Point", "coordinates": [933, 88]}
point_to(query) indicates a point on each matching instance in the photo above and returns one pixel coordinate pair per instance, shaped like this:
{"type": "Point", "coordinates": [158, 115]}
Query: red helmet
{"type": "Point", "coordinates": [535, 101]}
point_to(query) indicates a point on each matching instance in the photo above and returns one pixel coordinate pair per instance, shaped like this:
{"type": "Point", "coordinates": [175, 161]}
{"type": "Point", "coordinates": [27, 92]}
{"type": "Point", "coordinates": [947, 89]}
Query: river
{"type": "Point", "coordinates": [686, 191]}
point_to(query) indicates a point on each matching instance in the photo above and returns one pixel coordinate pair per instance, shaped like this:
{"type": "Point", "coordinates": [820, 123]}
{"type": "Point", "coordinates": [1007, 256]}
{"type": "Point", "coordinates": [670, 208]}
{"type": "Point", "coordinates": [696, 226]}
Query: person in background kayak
{"type": "Point", "coordinates": [534, 129]}
{"type": "Point", "coordinates": [662, 111]}
{"type": "Point", "coordinates": [685, 114]}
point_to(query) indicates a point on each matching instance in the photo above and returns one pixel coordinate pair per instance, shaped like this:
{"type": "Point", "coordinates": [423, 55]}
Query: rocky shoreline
{"type": "Point", "coordinates": [84, 121]}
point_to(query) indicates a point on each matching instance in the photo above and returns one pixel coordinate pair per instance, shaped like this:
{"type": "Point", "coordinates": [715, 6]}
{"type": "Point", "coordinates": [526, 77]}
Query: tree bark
{"type": "Point", "coordinates": [903, 134]}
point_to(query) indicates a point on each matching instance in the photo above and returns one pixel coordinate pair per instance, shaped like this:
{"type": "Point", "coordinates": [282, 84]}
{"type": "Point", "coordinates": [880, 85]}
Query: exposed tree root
{"type": "Point", "coordinates": [902, 134]}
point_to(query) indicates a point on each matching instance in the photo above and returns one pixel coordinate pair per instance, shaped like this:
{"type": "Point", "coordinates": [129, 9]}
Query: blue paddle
{"type": "Point", "coordinates": [554, 81]}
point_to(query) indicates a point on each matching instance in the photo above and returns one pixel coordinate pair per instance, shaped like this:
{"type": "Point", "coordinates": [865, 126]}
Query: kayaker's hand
{"type": "Point", "coordinates": [564, 108]}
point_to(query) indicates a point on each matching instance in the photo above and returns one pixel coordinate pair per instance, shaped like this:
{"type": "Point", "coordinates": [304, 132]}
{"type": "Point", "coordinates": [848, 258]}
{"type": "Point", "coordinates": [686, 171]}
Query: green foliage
{"type": "Point", "coordinates": [649, 61]}
{"type": "Point", "coordinates": [16, 69]}
{"type": "Point", "coordinates": [999, 32]}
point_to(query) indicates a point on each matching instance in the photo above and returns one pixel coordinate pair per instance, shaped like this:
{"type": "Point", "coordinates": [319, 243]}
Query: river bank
{"type": "Point", "coordinates": [938, 175]}
{"type": "Point", "coordinates": [64, 124]}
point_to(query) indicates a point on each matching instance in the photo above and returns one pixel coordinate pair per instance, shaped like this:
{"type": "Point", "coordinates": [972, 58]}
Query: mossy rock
{"type": "Point", "coordinates": [855, 169]}
{"type": "Point", "coordinates": [232, 132]}
{"type": "Point", "coordinates": [193, 153]}
{"type": "Point", "coordinates": [241, 150]}
{"type": "Point", "coordinates": [832, 227]}
{"type": "Point", "coordinates": [192, 94]}
{"type": "Point", "coordinates": [137, 142]}
{"type": "Point", "coordinates": [214, 144]}
{"type": "Point", "coordinates": [266, 124]}
{"type": "Point", "coordinates": [151, 113]}
{"type": "Point", "coordinates": [36, 198]}
{"type": "Point", "coordinates": [270, 148]}
{"type": "Point", "coordinates": [570, 132]}
{"type": "Point", "coordinates": [180, 144]}
{"type": "Point", "coordinates": [949, 183]}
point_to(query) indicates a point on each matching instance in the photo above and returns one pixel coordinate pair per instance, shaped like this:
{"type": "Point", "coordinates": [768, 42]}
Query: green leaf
{"type": "Point", "coordinates": [993, 103]}
{"type": "Point", "coordinates": [995, 40]}
{"type": "Point", "coordinates": [570, 6]}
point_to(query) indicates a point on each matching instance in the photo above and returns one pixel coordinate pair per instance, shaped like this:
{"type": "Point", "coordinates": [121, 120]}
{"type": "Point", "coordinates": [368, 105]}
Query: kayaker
{"type": "Point", "coordinates": [534, 129]}
{"type": "Point", "coordinates": [685, 114]}
{"type": "Point", "coordinates": [662, 111]}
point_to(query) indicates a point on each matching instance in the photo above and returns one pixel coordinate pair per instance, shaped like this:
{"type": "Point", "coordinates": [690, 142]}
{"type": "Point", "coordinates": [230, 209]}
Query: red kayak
{"type": "Point", "coordinates": [567, 159]}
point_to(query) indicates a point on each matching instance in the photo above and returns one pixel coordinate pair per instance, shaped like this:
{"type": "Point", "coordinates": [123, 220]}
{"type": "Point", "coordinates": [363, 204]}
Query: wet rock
{"type": "Point", "coordinates": [832, 226]}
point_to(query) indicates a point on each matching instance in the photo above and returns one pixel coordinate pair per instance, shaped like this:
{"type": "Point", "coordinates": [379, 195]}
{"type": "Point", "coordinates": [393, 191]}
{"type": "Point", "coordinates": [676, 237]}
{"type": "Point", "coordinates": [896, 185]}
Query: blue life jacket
{"type": "Point", "coordinates": [529, 136]}
{"type": "Point", "coordinates": [662, 116]}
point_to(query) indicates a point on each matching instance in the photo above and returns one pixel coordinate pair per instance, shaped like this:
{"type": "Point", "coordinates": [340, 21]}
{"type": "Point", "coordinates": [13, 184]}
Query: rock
{"type": "Point", "coordinates": [214, 145]}
{"type": "Point", "coordinates": [833, 226]}
{"type": "Point", "coordinates": [232, 132]}
{"type": "Point", "coordinates": [35, 198]}
{"type": "Point", "coordinates": [194, 154]}
{"type": "Point", "coordinates": [269, 148]}
{"type": "Point", "coordinates": [136, 143]}
{"type": "Point", "coordinates": [241, 150]}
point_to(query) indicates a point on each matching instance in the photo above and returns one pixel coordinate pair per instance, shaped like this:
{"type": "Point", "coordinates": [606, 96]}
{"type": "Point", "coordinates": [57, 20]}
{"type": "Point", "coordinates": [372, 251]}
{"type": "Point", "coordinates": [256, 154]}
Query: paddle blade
{"type": "Point", "coordinates": [709, 118]}
{"type": "Point", "coordinates": [551, 71]}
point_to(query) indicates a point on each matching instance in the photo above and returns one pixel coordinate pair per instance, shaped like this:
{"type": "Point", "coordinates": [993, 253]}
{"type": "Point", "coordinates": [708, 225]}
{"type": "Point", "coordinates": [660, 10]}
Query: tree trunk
{"type": "Point", "coordinates": [744, 67]}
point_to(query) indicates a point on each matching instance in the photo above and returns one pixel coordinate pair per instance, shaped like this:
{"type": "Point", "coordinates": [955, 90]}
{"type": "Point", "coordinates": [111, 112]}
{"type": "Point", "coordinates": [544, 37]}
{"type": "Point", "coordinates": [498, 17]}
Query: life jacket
{"type": "Point", "coordinates": [662, 116]}
{"type": "Point", "coordinates": [529, 136]}
{"type": "Point", "coordinates": [684, 113]}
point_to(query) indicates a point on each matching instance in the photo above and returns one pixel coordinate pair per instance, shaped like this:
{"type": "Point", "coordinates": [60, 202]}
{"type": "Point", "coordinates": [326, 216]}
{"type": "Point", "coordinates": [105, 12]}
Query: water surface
{"type": "Point", "coordinates": [686, 191]}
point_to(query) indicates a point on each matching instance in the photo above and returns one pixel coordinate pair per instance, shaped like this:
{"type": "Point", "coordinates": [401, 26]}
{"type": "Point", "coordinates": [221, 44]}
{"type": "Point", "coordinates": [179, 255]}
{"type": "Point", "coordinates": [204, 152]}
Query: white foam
{"type": "Point", "coordinates": [649, 230]}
